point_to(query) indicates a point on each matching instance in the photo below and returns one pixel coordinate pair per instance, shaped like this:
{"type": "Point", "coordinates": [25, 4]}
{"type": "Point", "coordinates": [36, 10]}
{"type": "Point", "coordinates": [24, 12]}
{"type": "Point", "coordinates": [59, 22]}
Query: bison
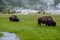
{"type": "Point", "coordinates": [13, 18]}
{"type": "Point", "coordinates": [47, 20]}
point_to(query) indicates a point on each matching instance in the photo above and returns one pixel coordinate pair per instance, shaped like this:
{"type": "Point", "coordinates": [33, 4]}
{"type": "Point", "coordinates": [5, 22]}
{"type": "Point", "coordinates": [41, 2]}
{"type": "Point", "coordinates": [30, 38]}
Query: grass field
{"type": "Point", "coordinates": [28, 29]}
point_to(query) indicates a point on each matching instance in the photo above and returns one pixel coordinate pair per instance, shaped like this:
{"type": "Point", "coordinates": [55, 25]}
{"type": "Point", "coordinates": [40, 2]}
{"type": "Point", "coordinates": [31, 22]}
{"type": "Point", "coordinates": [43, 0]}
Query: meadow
{"type": "Point", "coordinates": [28, 29]}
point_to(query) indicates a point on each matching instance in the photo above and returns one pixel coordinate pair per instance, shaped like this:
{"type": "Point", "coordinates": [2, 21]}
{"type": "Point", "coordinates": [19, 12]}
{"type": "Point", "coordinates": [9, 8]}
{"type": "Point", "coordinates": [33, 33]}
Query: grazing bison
{"type": "Point", "coordinates": [47, 20]}
{"type": "Point", "coordinates": [13, 18]}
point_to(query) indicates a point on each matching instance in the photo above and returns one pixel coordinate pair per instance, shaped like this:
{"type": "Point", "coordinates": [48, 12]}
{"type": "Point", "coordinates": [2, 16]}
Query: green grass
{"type": "Point", "coordinates": [28, 29]}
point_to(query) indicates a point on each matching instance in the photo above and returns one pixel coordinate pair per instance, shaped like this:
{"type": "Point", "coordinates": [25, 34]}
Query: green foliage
{"type": "Point", "coordinates": [2, 7]}
{"type": "Point", "coordinates": [25, 4]}
{"type": "Point", "coordinates": [57, 1]}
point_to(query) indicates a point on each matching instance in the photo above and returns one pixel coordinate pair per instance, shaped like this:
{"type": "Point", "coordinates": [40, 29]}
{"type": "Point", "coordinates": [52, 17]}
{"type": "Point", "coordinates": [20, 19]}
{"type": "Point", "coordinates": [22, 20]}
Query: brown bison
{"type": "Point", "coordinates": [13, 18]}
{"type": "Point", "coordinates": [47, 20]}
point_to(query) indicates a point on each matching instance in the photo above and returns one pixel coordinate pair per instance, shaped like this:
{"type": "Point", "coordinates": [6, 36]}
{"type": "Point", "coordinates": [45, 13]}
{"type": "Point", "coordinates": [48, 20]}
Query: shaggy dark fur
{"type": "Point", "coordinates": [13, 18]}
{"type": "Point", "coordinates": [47, 20]}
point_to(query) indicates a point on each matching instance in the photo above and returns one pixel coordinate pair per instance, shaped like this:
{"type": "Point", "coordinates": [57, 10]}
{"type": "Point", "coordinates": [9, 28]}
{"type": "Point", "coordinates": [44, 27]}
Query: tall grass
{"type": "Point", "coordinates": [28, 29]}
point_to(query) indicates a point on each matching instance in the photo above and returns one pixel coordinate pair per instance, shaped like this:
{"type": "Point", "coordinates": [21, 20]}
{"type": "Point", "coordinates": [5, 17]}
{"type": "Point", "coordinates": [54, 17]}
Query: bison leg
{"type": "Point", "coordinates": [48, 23]}
{"type": "Point", "coordinates": [45, 24]}
{"type": "Point", "coordinates": [39, 23]}
{"type": "Point", "coordinates": [10, 19]}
